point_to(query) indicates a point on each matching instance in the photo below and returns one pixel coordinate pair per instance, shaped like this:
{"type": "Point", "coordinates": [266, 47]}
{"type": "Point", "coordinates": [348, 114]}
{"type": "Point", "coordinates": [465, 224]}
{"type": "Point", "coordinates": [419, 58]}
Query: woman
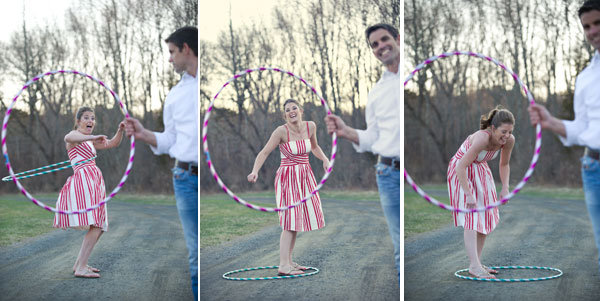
{"type": "Point", "coordinates": [294, 180]}
{"type": "Point", "coordinates": [471, 184]}
{"type": "Point", "coordinates": [85, 188]}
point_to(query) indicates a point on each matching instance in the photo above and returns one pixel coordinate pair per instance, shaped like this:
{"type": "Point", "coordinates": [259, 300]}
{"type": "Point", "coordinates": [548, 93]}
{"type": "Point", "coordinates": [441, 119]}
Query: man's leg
{"type": "Point", "coordinates": [185, 185]}
{"type": "Point", "coordinates": [590, 174]}
{"type": "Point", "coordinates": [388, 182]}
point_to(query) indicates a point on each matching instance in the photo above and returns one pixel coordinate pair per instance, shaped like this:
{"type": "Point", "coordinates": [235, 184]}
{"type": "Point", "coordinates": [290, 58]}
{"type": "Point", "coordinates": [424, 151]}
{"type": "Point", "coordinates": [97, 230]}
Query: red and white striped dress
{"type": "Point", "coordinates": [481, 182]}
{"type": "Point", "coordinates": [85, 188]}
{"type": "Point", "coordinates": [293, 181]}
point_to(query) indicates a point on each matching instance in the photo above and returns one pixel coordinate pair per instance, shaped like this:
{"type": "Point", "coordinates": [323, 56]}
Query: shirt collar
{"type": "Point", "coordinates": [595, 59]}
{"type": "Point", "coordinates": [387, 73]}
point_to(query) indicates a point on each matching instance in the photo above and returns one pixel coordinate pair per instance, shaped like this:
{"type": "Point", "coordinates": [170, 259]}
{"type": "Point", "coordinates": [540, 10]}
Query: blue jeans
{"type": "Point", "coordinates": [388, 183]}
{"type": "Point", "coordinates": [185, 185]}
{"type": "Point", "coordinates": [590, 173]}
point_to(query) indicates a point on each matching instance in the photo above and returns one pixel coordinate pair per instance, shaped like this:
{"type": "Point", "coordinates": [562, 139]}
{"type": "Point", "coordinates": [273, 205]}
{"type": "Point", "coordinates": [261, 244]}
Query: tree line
{"type": "Point", "coordinates": [541, 41]}
{"type": "Point", "coordinates": [121, 43]}
{"type": "Point", "coordinates": [321, 40]}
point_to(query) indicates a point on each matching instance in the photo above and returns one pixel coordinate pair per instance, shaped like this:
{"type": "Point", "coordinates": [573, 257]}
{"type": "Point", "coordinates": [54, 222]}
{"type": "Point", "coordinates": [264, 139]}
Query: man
{"type": "Point", "coordinates": [382, 136]}
{"type": "Point", "coordinates": [585, 129]}
{"type": "Point", "coordinates": [180, 137]}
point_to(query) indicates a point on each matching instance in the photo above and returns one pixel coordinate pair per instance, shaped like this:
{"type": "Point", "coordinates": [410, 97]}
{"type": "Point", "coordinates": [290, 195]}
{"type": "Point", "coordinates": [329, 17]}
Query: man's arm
{"type": "Point", "coordinates": [337, 125]}
{"type": "Point", "coordinates": [539, 114]}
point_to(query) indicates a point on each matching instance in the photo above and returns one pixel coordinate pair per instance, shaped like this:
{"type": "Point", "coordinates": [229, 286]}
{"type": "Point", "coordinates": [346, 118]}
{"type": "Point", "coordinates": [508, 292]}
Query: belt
{"type": "Point", "coordinates": [191, 166]}
{"type": "Point", "coordinates": [594, 154]}
{"type": "Point", "coordinates": [395, 162]}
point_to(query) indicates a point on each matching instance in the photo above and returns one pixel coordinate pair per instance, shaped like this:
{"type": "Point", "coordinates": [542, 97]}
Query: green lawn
{"type": "Point", "coordinates": [20, 219]}
{"type": "Point", "coordinates": [222, 219]}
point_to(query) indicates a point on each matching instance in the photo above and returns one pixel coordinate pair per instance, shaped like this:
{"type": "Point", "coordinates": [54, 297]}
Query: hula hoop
{"type": "Point", "coordinates": [267, 278]}
{"type": "Point", "coordinates": [214, 172]}
{"type": "Point", "coordinates": [8, 178]}
{"type": "Point", "coordinates": [538, 137]}
{"type": "Point", "coordinates": [513, 279]}
{"type": "Point", "coordinates": [5, 150]}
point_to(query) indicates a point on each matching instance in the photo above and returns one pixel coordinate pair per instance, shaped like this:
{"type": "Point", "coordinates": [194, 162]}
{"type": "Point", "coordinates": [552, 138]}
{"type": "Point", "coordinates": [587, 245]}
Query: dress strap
{"type": "Point", "coordinates": [307, 130]}
{"type": "Point", "coordinates": [288, 132]}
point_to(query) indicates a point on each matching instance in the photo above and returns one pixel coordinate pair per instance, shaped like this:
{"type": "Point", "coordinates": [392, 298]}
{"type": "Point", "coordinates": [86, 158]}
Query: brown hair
{"type": "Point", "coordinates": [496, 117]}
{"type": "Point", "coordinates": [79, 113]}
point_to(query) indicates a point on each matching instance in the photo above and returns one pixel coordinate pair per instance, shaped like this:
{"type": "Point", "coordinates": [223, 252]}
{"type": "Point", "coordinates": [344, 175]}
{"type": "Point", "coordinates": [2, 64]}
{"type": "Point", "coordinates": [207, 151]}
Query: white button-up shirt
{"type": "Point", "coordinates": [382, 135]}
{"type": "Point", "coordinates": [585, 129]}
{"type": "Point", "coordinates": [180, 117]}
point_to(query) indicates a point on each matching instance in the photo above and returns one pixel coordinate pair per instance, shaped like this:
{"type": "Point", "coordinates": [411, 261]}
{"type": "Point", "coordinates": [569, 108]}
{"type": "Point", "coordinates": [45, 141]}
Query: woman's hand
{"type": "Point", "coordinates": [100, 139]}
{"type": "Point", "coordinates": [503, 193]}
{"type": "Point", "coordinates": [471, 203]}
{"type": "Point", "coordinates": [121, 126]}
{"type": "Point", "coordinates": [252, 177]}
{"type": "Point", "coordinates": [325, 164]}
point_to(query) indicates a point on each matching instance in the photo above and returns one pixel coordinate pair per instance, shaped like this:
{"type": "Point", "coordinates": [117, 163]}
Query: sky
{"type": "Point", "coordinates": [36, 12]}
{"type": "Point", "coordinates": [214, 15]}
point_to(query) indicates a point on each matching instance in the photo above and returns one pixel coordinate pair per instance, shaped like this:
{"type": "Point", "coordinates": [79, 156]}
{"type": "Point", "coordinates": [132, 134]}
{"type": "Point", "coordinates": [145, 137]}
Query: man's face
{"type": "Point", "coordinates": [177, 57]}
{"type": "Point", "coordinates": [591, 27]}
{"type": "Point", "coordinates": [384, 46]}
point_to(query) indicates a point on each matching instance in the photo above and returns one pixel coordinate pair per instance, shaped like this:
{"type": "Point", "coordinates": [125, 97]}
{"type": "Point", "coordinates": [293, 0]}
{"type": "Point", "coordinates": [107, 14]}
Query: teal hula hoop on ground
{"type": "Point", "coordinates": [225, 276]}
{"type": "Point", "coordinates": [20, 175]}
{"type": "Point", "coordinates": [513, 279]}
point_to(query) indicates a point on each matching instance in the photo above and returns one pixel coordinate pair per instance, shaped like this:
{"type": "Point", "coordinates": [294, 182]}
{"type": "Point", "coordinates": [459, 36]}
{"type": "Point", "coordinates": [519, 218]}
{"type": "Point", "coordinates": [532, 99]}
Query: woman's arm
{"type": "Point", "coordinates": [504, 166]}
{"type": "Point", "coordinates": [478, 144]}
{"type": "Point", "coordinates": [264, 153]}
{"type": "Point", "coordinates": [316, 149]}
{"type": "Point", "coordinates": [116, 139]}
{"type": "Point", "coordinates": [75, 137]}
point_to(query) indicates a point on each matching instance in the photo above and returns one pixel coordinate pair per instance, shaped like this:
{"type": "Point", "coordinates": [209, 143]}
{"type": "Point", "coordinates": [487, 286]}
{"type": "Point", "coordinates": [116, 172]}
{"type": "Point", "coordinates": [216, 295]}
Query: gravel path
{"type": "Point", "coordinates": [141, 257]}
{"type": "Point", "coordinates": [353, 252]}
{"type": "Point", "coordinates": [532, 231]}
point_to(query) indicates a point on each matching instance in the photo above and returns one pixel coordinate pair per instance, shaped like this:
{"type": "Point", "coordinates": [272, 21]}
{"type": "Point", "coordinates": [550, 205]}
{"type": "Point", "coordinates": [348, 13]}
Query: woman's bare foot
{"type": "Point", "coordinates": [491, 271]}
{"type": "Point", "coordinates": [288, 270]}
{"type": "Point", "coordinates": [298, 267]}
{"type": "Point", "coordinates": [86, 273]}
{"type": "Point", "coordinates": [91, 269]}
{"type": "Point", "coordinates": [480, 272]}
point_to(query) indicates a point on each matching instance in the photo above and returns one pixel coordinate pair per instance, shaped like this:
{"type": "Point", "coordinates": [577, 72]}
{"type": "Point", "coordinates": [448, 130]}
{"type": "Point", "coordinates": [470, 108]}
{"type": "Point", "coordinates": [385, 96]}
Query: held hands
{"type": "Point", "coordinates": [133, 127]}
{"type": "Point", "coordinates": [252, 177]}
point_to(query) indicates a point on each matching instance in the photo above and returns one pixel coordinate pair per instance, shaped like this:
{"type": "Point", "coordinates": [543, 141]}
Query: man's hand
{"type": "Point", "coordinates": [134, 127]}
{"type": "Point", "coordinates": [539, 114]}
{"type": "Point", "coordinates": [336, 125]}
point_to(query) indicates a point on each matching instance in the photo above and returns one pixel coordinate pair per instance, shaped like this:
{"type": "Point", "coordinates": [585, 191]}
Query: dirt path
{"type": "Point", "coordinates": [532, 231]}
{"type": "Point", "coordinates": [353, 252]}
{"type": "Point", "coordinates": [142, 257]}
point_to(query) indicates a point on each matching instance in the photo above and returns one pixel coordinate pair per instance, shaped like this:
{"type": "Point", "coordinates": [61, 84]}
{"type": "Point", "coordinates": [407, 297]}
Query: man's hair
{"type": "Point", "coordinates": [187, 35]}
{"type": "Point", "coordinates": [589, 5]}
{"type": "Point", "coordinates": [391, 29]}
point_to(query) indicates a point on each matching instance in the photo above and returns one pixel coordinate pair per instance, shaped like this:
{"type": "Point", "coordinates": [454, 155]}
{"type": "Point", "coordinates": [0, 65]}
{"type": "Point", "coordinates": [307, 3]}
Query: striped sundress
{"type": "Point", "coordinates": [85, 188]}
{"type": "Point", "coordinates": [293, 181]}
{"type": "Point", "coordinates": [481, 182]}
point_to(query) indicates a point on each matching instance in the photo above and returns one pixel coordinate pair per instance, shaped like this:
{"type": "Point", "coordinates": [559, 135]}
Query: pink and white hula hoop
{"type": "Point", "coordinates": [212, 168]}
{"type": "Point", "coordinates": [538, 137]}
{"type": "Point", "coordinates": [5, 151]}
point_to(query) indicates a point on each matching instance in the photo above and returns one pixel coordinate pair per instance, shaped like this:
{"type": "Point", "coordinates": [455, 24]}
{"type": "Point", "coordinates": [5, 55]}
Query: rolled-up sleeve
{"type": "Point", "coordinates": [366, 138]}
{"type": "Point", "coordinates": [166, 139]}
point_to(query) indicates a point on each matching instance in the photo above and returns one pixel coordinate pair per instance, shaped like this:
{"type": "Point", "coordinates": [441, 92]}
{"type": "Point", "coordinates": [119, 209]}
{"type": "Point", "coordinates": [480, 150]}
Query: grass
{"type": "Point", "coordinates": [420, 216]}
{"type": "Point", "coordinates": [20, 219]}
{"type": "Point", "coordinates": [222, 219]}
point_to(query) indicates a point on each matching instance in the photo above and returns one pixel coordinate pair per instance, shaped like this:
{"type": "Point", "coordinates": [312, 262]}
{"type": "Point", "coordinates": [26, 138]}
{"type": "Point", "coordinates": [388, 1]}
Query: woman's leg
{"type": "Point", "coordinates": [472, 246]}
{"type": "Point", "coordinates": [285, 250]}
{"type": "Point", "coordinates": [89, 241]}
{"type": "Point", "coordinates": [79, 256]}
{"type": "Point", "coordinates": [480, 242]}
